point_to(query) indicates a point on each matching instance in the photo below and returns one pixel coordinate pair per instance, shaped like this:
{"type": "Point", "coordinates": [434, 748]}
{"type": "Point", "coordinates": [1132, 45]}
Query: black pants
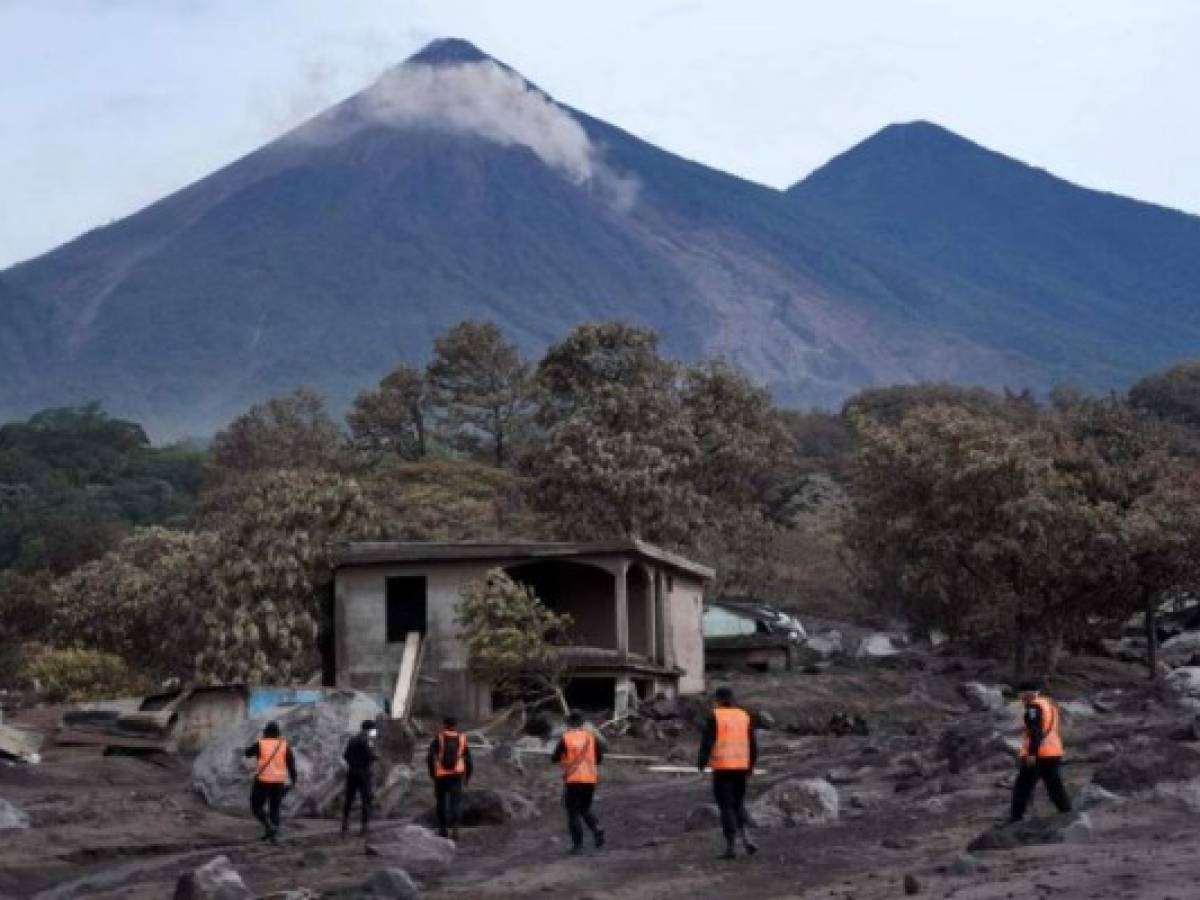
{"type": "Point", "coordinates": [270, 796]}
{"type": "Point", "coordinates": [448, 791]}
{"type": "Point", "coordinates": [729, 790]}
{"type": "Point", "coordinates": [577, 798]}
{"type": "Point", "coordinates": [358, 784]}
{"type": "Point", "coordinates": [1048, 771]}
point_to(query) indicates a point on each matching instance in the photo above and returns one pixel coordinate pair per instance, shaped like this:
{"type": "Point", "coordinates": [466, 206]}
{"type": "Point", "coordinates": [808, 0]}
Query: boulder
{"type": "Point", "coordinates": [395, 787]}
{"type": "Point", "coordinates": [969, 742]}
{"type": "Point", "coordinates": [1092, 795]}
{"type": "Point", "coordinates": [825, 645]}
{"type": "Point", "coordinates": [1069, 827]}
{"type": "Point", "coordinates": [703, 817]}
{"type": "Point", "coordinates": [660, 708]}
{"type": "Point", "coordinates": [875, 646]}
{"type": "Point", "coordinates": [982, 697]}
{"type": "Point", "coordinates": [414, 848]}
{"type": "Point", "coordinates": [796, 801]}
{"type": "Point", "coordinates": [317, 734]}
{"type": "Point", "coordinates": [1181, 650]}
{"type": "Point", "coordinates": [1183, 795]}
{"type": "Point", "coordinates": [217, 879]}
{"type": "Point", "coordinates": [1185, 683]}
{"type": "Point", "coordinates": [12, 817]}
{"type": "Point", "coordinates": [1077, 709]}
{"type": "Point", "coordinates": [964, 864]}
{"type": "Point", "coordinates": [489, 807]}
{"type": "Point", "coordinates": [392, 883]}
{"type": "Point", "coordinates": [912, 885]}
{"type": "Point", "coordinates": [1143, 764]}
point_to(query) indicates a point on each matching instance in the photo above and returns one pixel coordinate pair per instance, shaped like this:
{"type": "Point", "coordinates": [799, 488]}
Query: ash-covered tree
{"type": "Point", "coordinates": [267, 617]}
{"type": "Point", "coordinates": [394, 418]}
{"type": "Point", "coordinates": [140, 602]}
{"type": "Point", "coordinates": [1173, 395]}
{"type": "Point", "coordinates": [616, 446]}
{"type": "Point", "coordinates": [480, 388]}
{"type": "Point", "coordinates": [513, 640]}
{"type": "Point", "coordinates": [292, 431]}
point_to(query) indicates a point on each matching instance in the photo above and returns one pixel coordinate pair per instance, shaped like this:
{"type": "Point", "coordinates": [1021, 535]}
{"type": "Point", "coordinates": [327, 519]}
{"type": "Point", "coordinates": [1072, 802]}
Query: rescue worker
{"type": "Point", "coordinates": [449, 762]}
{"type": "Point", "coordinates": [359, 756]}
{"type": "Point", "coordinates": [275, 766]}
{"type": "Point", "coordinates": [580, 753]}
{"type": "Point", "coordinates": [1041, 753]}
{"type": "Point", "coordinates": [729, 747]}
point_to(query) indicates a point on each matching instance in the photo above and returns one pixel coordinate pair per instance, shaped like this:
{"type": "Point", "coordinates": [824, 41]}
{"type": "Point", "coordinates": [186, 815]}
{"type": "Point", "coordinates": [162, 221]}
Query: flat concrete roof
{"type": "Point", "coordinates": [374, 553]}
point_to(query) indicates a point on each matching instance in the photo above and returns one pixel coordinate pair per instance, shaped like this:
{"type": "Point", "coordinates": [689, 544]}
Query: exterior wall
{"type": "Point", "coordinates": [685, 603]}
{"type": "Point", "coordinates": [367, 662]}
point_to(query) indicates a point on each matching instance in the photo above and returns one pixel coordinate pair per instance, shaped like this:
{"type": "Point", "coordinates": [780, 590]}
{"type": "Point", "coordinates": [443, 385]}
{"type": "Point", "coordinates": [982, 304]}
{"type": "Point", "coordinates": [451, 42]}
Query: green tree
{"type": "Point", "coordinates": [513, 641]}
{"type": "Point", "coordinates": [616, 445]}
{"type": "Point", "coordinates": [393, 419]}
{"type": "Point", "coordinates": [480, 386]}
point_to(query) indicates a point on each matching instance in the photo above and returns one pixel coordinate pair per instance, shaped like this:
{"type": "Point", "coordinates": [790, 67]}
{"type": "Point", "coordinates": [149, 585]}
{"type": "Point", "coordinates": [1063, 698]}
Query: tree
{"type": "Point", "coordinates": [140, 602]}
{"type": "Point", "coordinates": [267, 618]}
{"type": "Point", "coordinates": [513, 641]}
{"type": "Point", "coordinates": [393, 418]}
{"type": "Point", "coordinates": [480, 385]}
{"type": "Point", "coordinates": [1173, 395]}
{"type": "Point", "coordinates": [616, 445]}
{"type": "Point", "coordinates": [288, 432]}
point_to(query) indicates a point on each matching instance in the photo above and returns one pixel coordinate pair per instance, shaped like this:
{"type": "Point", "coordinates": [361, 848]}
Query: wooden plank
{"type": "Point", "coordinates": [406, 679]}
{"type": "Point", "coordinates": [687, 770]}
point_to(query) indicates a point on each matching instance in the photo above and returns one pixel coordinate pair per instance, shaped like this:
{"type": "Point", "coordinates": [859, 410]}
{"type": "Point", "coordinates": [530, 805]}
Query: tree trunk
{"type": "Point", "coordinates": [422, 450]}
{"type": "Point", "coordinates": [1152, 636]}
{"type": "Point", "coordinates": [1021, 648]}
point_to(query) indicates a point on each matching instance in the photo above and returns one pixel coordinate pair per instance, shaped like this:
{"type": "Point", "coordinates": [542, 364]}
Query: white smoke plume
{"type": "Point", "coordinates": [485, 99]}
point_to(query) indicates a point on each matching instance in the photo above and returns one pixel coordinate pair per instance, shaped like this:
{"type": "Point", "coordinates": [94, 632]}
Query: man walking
{"type": "Point", "coordinates": [580, 754]}
{"type": "Point", "coordinates": [1041, 754]}
{"type": "Point", "coordinates": [449, 762]}
{"type": "Point", "coordinates": [728, 745]}
{"type": "Point", "coordinates": [276, 764]}
{"type": "Point", "coordinates": [359, 756]}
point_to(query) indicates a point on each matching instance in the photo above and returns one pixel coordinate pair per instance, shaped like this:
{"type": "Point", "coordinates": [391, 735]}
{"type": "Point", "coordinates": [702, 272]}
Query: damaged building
{"type": "Point", "coordinates": [637, 613]}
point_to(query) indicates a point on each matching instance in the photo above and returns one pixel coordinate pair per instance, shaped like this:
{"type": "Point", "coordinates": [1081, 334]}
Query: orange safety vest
{"type": "Point", "coordinates": [731, 750]}
{"type": "Point", "coordinates": [460, 764]}
{"type": "Point", "coordinates": [272, 761]}
{"type": "Point", "coordinates": [1051, 746]}
{"type": "Point", "coordinates": [579, 759]}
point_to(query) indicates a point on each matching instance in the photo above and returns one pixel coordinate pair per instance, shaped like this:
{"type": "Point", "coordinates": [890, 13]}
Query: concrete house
{"type": "Point", "coordinates": [637, 612]}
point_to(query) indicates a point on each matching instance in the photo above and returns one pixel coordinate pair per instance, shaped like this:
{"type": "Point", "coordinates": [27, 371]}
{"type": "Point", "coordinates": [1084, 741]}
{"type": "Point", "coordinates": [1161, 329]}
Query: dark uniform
{"type": "Point", "coordinates": [360, 755]}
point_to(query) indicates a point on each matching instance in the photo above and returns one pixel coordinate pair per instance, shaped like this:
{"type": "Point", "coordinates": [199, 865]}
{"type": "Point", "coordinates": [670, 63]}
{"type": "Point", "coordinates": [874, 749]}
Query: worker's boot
{"type": "Point", "coordinates": [598, 836]}
{"type": "Point", "coordinates": [751, 847]}
{"type": "Point", "coordinates": [730, 852]}
{"type": "Point", "coordinates": [345, 825]}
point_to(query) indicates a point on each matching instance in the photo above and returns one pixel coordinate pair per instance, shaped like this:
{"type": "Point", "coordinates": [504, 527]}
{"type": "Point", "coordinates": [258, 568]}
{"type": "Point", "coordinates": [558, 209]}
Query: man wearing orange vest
{"type": "Point", "coordinates": [580, 753]}
{"type": "Point", "coordinates": [729, 747]}
{"type": "Point", "coordinates": [449, 762]}
{"type": "Point", "coordinates": [1041, 752]}
{"type": "Point", "coordinates": [275, 765]}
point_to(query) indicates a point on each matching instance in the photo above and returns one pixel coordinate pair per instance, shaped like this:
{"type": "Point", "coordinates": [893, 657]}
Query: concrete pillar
{"type": "Point", "coordinates": [622, 608]}
{"type": "Point", "coordinates": [652, 648]}
{"type": "Point", "coordinates": [625, 698]}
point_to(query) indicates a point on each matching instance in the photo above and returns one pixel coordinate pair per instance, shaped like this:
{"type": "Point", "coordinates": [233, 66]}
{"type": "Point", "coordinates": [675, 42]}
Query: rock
{"type": "Point", "coordinates": [1070, 827]}
{"type": "Point", "coordinates": [911, 885]}
{"type": "Point", "coordinates": [764, 720]}
{"type": "Point", "coordinates": [1185, 682]}
{"type": "Point", "coordinates": [703, 817]}
{"type": "Point", "coordinates": [671, 728]}
{"type": "Point", "coordinates": [1077, 709]}
{"type": "Point", "coordinates": [414, 849]}
{"type": "Point", "coordinates": [968, 742]}
{"type": "Point", "coordinates": [1092, 795]}
{"type": "Point", "coordinates": [680, 755]}
{"type": "Point", "coordinates": [825, 645]}
{"type": "Point", "coordinates": [489, 807]}
{"type": "Point", "coordinates": [317, 734]}
{"type": "Point", "coordinates": [875, 646]}
{"type": "Point", "coordinates": [393, 883]}
{"type": "Point", "coordinates": [660, 708]}
{"type": "Point", "coordinates": [1181, 650]}
{"type": "Point", "coordinates": [12, 817]}
{"type": "Point", "coordinates": [982, 697]}
{"type": "Point", "coordinates": [898, 843]}
{"type": "Point", "coordinates": [1143, 764]}
{"type": "Point", "coordinates": [1184, 795]}
{"type": "Point", "coordinates": [217, 879]}
{"type": "Point", "coordinates": [964, 864]}
{"type": "Point", "coordinates": [394, 788]}
{"type": "Point", "coordinates": [796, 801]}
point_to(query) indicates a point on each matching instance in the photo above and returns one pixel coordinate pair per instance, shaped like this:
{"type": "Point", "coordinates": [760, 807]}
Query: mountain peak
{"type": "Point", "coordinates": [448, 52]}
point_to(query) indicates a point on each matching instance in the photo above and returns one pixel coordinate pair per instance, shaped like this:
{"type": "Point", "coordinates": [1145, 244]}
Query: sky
{"type": "Point", "coordinates": [107, 105]}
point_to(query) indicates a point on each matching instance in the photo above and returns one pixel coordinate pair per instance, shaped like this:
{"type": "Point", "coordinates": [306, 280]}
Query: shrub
{"type": "Point", "coordinates": [65, 676]}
